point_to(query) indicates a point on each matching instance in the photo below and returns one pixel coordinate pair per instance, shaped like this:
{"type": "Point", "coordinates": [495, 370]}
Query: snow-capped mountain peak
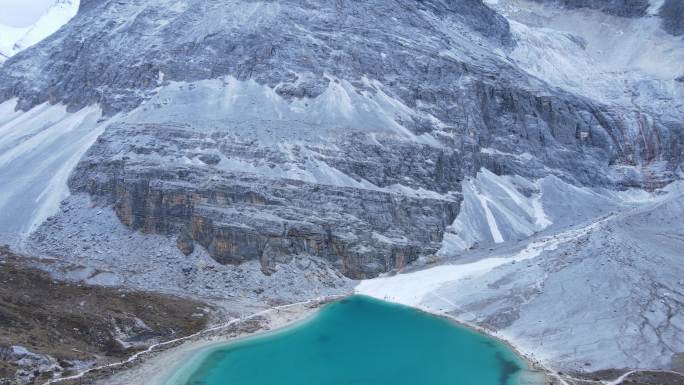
{"type": "Point", "coordinates": [16, 39]}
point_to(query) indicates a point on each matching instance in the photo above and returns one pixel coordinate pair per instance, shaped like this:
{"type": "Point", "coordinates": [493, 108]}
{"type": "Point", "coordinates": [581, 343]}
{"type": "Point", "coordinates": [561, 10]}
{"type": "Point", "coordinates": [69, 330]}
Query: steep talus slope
{"type": "Point", "coordinates": [38, 151]}
{"type": "Point", "coordinates": [629, 65]}
{"type": "Point", "coordinates": [581, 298]}
{"type": "Point", "coordinates": [604, 294]}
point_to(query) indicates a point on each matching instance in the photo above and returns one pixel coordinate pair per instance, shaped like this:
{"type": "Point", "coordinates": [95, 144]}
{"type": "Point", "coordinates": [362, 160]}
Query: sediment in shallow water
{"type": "Point", "coordinates": [359, 340]}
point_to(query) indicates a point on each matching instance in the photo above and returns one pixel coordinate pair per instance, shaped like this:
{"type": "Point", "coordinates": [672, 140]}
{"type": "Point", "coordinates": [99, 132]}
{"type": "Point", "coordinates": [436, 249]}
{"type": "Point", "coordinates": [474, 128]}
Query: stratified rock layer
{"type": "Point", "coordinates": [237, 216]}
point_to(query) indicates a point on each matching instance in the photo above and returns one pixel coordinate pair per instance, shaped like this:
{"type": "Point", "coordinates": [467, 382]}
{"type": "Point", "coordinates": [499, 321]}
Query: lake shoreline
{"type": "Point", "coordinates": [163, 366]}
{"type": "Point", "coordinates": [196, 355]}
{"type": "Point", "coordinates": [158, 366]}
{"type": "Point", "coordinates": [533, 366]}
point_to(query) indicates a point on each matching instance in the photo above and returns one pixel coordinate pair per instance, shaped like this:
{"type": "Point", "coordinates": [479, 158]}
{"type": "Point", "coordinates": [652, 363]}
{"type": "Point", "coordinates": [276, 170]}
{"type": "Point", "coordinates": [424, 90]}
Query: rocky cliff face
{"type": "Point", "coordinates": [238, 216]}
{"type": "Point", "coordinates": [343, 130]}
{"type": "Point", "coordinates": [292, 44]}
{"type": "Point", "coordinates": [672, 13]}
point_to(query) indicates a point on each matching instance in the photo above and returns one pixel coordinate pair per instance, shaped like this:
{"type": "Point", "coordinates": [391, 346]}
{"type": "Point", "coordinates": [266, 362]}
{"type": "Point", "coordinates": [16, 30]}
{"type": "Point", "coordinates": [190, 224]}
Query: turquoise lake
{"type": "Point", "coordinates": [359, 341]}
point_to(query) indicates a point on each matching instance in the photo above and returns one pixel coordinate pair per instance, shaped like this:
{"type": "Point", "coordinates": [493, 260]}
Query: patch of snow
{"type": "Point", "coordinates": [8, 36]}
{"type": "Point", "coordinates": [491, 221]}
{"type": "Point", "coordinates": [249, 108]}
{"type": "Point", "coordinates": [296, 132]}
{"type": "Point", "coordinates": [635, 195]}
{"type": "Point", "coordinates": [540, 219]}
{"type": "Point", "coordinates": [614, 60]}
{"type": "Point", "coordinates": [80, 274]}
{"type": "Point", "coordinates": [525, 156]}
{"type": "Point", "coordinates": [18, 13]}
{"type": "Point", "coordinates": [105, 279]}
{"type": "Point", "coordinates": [16, 39]}
{"type": "Point", "coordinates": [654, 7]}
{"type": "Point", "coordinates": [419, 192]}
{"type": "Point", "coordinates": [411, 288]}
{"type": "Point", "coordinates": [38, 150]}
{"type": "Point", "coordinates": [384, 239]}
{"type": "Point", "coordinates": [495, 210]}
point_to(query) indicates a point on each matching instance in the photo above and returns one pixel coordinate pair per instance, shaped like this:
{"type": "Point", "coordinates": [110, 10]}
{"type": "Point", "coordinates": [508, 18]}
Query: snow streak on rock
{"type": "Point", "coordinates": [575, 297]}
{"type": "Point", "coordinates": [14, 40]}
{"type": "Point", "coordinates": [495, 209]}
{"type": "Point", "coordinates": [228, 102]}
{"type": "Point", "coordinates": [613, 60]}
{"type": "Point", "coordinates": [38, 150]}
{"type": "Point", "coordinates": [412, 288]}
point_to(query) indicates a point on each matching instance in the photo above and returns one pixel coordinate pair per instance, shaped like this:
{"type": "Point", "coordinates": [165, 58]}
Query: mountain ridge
{"type": "Point", "coordinates": [264, 152]}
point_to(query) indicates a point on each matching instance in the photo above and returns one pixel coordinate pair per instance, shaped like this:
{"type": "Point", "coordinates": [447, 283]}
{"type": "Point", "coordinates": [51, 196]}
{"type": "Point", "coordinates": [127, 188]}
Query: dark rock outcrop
{"type": "Point", "coordinates": [672, 13]}
{"type": "Point", "coordinates": [185, 243]}
{"type": "Point", "coordinates": [624, 8]}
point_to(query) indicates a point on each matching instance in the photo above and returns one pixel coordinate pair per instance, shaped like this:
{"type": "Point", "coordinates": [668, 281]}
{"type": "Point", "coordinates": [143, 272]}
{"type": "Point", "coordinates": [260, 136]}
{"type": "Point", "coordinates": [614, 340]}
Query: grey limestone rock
{"type": "Point", "coordinates": [343, 130]}
{"type": "Point", "coordinates": [672, 13]}
{"type": "Point", "coordinates": [624, 8]}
